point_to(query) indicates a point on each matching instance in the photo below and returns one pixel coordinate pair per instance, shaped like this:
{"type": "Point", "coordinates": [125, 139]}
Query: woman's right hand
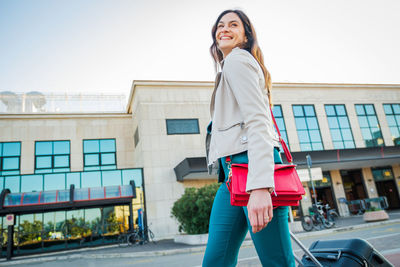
{"type": "Point", "coordinates": [259, 209]}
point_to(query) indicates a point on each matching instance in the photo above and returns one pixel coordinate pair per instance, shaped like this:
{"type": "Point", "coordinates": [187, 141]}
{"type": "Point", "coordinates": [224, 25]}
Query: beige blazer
{"type": "Point", "coordinates": [241, 119]}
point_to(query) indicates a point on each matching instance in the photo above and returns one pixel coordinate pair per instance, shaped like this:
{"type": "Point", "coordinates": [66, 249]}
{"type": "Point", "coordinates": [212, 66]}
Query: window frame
{"type": "Point", "coordinates": [337, 116]}
{"type": "Point", "coordinates": [52, 168]}
{"type": "Point", "coordinates": [180, 119]}
{"type": "Point", "coordinates": [369, 126]}
{"type": "Point", "coordinates": [390, 126]}
{"type": "Point", "coordinates": [100, 166]}
{"type": "Point", "coordinates": [2, 158]}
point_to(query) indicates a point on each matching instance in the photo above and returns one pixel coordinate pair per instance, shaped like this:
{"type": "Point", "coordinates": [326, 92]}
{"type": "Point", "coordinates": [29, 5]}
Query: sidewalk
{"type": "Point", "coordinates": [169, 247]}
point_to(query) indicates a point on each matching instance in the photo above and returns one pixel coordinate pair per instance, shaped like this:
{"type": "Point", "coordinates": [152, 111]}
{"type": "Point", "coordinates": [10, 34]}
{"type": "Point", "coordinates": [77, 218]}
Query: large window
{"type": "Point", "coordinates": [277, 110]}
{"type": "Point", "coordinates": [392, 112]}
{"type": "Point", "coordinates": [370, 128]}
{"type": "Point", "coordinates": [307, 127]}
{"type": "Point", "coordinates": [182, 126]}
{"type": "Point", "coordinates": [10, 156]}
{"type": "Point", "coordinates": [99, 154]}
{"type": "Point", "coordinates": [52, 156]}
{"type": "Point", "coordinates": [339, 125]}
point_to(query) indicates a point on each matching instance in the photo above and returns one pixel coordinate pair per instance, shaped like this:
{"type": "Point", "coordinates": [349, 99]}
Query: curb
{"type": "Point", "coordinates": [246, 243]}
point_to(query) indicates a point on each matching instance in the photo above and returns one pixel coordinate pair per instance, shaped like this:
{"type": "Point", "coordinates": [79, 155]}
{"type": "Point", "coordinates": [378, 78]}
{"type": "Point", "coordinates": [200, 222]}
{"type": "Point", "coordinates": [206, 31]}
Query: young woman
{"type": "Point", "coordinates": [242, 128]}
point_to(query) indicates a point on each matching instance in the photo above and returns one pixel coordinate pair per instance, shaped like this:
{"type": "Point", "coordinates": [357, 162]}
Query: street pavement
{"type": "Point", "coordinates": [386, 239]}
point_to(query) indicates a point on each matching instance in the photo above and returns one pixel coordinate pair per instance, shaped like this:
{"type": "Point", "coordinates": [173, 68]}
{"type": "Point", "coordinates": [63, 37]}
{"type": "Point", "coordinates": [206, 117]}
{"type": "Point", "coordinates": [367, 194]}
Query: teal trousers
{"type": "Point", "coordinates": [229, 225]}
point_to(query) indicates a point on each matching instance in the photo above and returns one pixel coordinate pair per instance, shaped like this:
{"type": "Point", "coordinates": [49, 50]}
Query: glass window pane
{"type": "Point", "coordinates": [74, 178]}
{"type": "Point", "coordinates": [107, 159]}
{"type": "Point", "coordinates": [338, 145]}
{"type": "Point", "coordinates": [1, 183]}
{"type": "Point", "coordinates": [11, 149]}
{"type": "Point", "coordinates": [43, 162]}
{"type": "Point", "coordinates": [96, 192]}
{"type": "Point", "coordinates": [394, 131]}
{"type": "Point", "coordinates": [61, 147]}
{"type": "Point", "coordinates": [31, 183]}
{"type": "Point", "coordinates": [340, 110]}
{"type": "Point", "coordinates": [391, 121]}
{"type": "Point", "coordinates": [63, 195]}
{"type": "Point", "coordinates": [54, 181]}
{"type": "Point", "coordinates": [333, 122]}
{"type": "Point", "coordinates": [344, 122]}
{"type": "Point", "coordinates": [11, 163]}
{"type": "Point", "coordinates": [31, 198]}
{"type": "Point", "coordinates": [360, 110]}
{"type": "Point", "coordinates": [305, 147]}
{"type": "Point", "coordinates": [373, 122]}
{"type": "Point", "coordinates": [330, 110]}
{"type": "Point", "coordinates": [12, 183]}
{"type": "Point", "coordinates": [317, 146]}
{"type": "Point", "coordinates": [135, 175]}
{"type": "Point", "coordinates": [91, 179]}
{"type": "Point", "coordinates": [336, 136]}
{"type": "Point", "coordinates": [126, 190]}
{"type": "Point", "coordinates": [107, 145]}
{"type": "Point", "coordinates": [309, 111]}
{"type": "Point", "coordinates": [346, 134]}
{"type": "Point", "coordinates": [12, 199]}
{"type": "Point", "coordinates": [92, 160]}
{"type": "Point", "coordinates": [298, 111]}
{"type": "Point", "coordinates": [1, 149]}
{"type": "Point", "coordinates": [300, 123]}
{"type": "Point", "coordinates": [315, 136]}
{"type": "Point", "coordinates": [81, 194]}
{"type": "Point", "coordinates": [54, 222]}
{"type": "Point", "coordinates": [277, 111]}
{"type": "Point", "coordinates": [349, 144]}
{"type": "Point", "coordinates": [91, 146]}
{"type": "Point", "coordinates": [396, 108]}
{"type": "Point", "coordinates": [108, 167]}
{"type": "Point", "coordinates": [44, 148]}
{"type": "Point", "coordinates": [376, 132]}
{"type": "Point", "coordinates": [366, 134]}
{"type": "Point", "coordinates": [387, 109]}
{"type": "Point", "coordinates": [281, 124]}
{"type": "Point", "coordinates": [369, 109]}
{"type": "Point", "coordinates": [61, 161]}
{"type": "Point", "coordinates": [363, 121]}
{"type": "Point", "coordinates": [398, 120]}
{"type": "Point", "coordinates": [112, 191]}
{"type": "Point", "coordinates": [111, 178]}
{"type": "Point", "coordinates": [303, 136]}
{"type": "Point", "coordinates": [182, 126]}
{"type": "Point", "coordinates": [48, 196]}
{"type": "Point", "coordinates": [312, 123]}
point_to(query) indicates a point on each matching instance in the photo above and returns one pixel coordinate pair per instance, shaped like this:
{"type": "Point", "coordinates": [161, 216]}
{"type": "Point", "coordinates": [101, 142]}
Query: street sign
{"type": "Point", "coordinates": [10, 219]}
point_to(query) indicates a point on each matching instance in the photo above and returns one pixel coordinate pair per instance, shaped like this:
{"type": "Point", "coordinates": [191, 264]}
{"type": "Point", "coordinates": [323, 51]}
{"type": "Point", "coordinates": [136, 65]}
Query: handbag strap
{"type": "Point", "coordinates": [288, 155]}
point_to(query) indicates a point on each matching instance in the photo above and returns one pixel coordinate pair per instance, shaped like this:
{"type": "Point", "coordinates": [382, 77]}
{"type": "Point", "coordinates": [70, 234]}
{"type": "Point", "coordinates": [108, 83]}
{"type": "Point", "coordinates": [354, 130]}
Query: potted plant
{"type": "Point", "coordinates": [374, 214]}
{"type": "Point", "coordinates": [192, 211]}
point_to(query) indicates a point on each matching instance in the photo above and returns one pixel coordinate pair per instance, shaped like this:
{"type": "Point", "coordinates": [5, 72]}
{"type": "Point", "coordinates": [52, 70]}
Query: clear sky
{"type": "Point", "coordinates": [94, 46]}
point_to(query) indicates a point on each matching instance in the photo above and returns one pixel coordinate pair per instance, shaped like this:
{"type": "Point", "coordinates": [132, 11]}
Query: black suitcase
{"type": "Point", "coordinates": [345, 252]}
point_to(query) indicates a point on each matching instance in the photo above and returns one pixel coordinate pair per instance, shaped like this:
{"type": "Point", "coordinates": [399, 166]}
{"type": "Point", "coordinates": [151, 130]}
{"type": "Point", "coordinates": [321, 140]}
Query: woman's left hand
{"type": "Point", "coordinates": [259, 209]}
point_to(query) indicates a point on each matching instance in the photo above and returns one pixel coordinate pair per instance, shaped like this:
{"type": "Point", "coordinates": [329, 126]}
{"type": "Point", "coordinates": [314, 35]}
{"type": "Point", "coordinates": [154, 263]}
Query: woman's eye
{"type": "Point", "coordinates": [220, 26]}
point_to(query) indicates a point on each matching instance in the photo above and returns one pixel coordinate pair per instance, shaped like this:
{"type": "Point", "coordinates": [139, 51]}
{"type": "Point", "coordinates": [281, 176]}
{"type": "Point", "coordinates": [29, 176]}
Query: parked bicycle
{"type": "Point", "coordinates": [317, 219]}
{"type": "Point", "coordinates": [127, 239]}
{"type": "Point", "coordinates": [143, 236]}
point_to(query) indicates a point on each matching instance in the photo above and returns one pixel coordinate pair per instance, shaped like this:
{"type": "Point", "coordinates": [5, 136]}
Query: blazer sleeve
{"type": "Point", "coordinates": [241, 74]}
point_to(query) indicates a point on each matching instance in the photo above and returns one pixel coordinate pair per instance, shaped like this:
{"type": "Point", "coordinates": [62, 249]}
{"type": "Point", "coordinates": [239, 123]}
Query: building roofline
{"type": "Point", "coordinates": [61, 115]}
{"type": "Point", "coordinates": [208, 84]}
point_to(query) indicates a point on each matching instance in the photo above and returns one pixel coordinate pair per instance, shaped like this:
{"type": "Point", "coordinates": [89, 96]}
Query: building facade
{"type": "Point", "coordinates": [351, 132]}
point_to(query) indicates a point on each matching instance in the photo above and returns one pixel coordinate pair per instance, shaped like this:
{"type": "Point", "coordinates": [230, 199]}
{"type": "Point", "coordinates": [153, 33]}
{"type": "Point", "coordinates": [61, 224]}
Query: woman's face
{"type": "Point", "coordinates": [230, 33]}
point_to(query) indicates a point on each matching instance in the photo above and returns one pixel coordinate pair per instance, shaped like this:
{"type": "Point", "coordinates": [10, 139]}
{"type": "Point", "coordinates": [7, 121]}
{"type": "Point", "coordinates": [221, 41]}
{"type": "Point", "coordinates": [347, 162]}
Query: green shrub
{"type": "Point", "coordinates": [373, 209]}
{"type": "Point", "coordinates": [193, 209]}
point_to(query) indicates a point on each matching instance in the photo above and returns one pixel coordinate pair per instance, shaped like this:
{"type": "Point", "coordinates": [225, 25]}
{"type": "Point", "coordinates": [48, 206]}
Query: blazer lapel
{"type": "Point", "coordinates": [217, 80]}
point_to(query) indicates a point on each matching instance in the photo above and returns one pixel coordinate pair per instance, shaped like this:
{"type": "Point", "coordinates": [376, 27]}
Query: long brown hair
{"type": "Point", "coordinates": [251, 46]}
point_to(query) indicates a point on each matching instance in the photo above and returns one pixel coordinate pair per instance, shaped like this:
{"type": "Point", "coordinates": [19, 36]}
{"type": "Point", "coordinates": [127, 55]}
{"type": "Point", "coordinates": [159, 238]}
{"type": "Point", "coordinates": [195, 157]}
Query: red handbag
{"type": "Point", "coordinates": [288, 189]}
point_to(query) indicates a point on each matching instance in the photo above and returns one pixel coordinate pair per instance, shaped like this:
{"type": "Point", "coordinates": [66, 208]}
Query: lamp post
{"type": "Point", "coordinates": [309, 164]}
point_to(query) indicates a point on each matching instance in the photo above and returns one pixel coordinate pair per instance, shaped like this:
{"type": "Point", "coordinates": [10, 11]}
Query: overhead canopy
{"type": "Point", "coordinates": [337, 159]}
{"type": "Point", "coordinates": [46, 201]}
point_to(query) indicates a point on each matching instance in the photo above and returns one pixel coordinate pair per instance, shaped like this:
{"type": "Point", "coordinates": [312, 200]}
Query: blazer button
{"type": "Point", "coordinates": [244, 139]}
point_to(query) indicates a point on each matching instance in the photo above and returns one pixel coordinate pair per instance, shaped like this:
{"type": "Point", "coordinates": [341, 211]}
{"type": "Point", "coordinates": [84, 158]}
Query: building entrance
{"type": "Point", "coordinates": [388, 189]}
{"type": "Point", "coordinates": [353, 184]}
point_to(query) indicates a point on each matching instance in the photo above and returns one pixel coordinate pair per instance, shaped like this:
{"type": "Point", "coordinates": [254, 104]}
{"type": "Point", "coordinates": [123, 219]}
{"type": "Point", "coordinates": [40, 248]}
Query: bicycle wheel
{"type": "Point", "coordinates": [133, 239]}
{"type": "Point", "coordinates": [306, 223]}
{"type": "Point", "coordinates": [151, 236]}
{"type": "Point", "coordinates": [327, 224]}
{"type": "Point", "coordinates": [332, 216]}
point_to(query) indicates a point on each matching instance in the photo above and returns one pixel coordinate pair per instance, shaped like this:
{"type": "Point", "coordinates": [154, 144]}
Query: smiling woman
{"type": "Point", "coordinates": [242, 129]}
